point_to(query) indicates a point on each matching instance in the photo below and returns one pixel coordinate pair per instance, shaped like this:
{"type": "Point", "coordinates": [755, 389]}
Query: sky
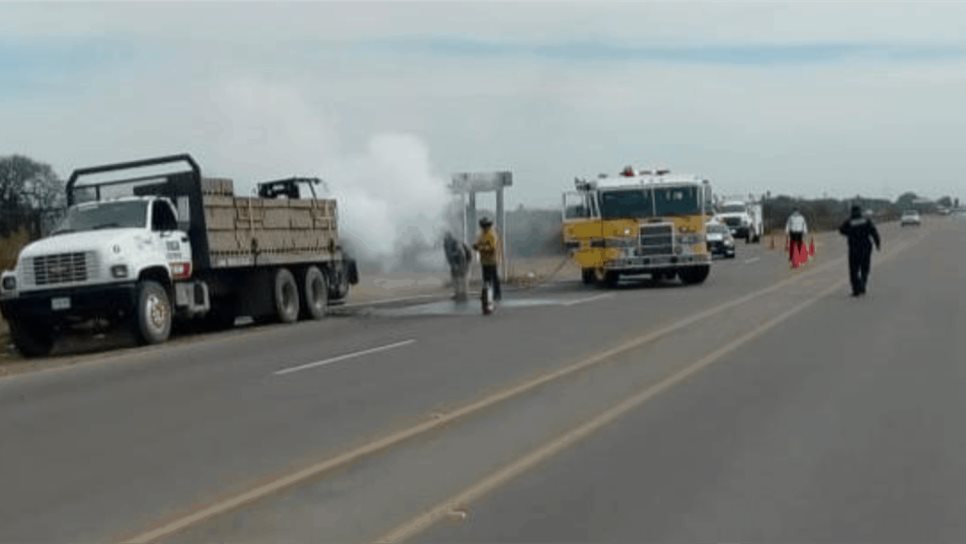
{"type": "Point", "coordinates": [386, 101]}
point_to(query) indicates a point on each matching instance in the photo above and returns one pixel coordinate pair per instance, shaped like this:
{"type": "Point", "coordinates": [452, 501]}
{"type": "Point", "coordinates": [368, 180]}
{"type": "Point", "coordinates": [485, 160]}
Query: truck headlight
{"type": "Point", "coordinates": [9, 283]}
{"type": "Point", "coordinates": [119, 271]}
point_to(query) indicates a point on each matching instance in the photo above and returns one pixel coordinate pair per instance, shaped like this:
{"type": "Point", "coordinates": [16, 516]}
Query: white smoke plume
{"type": "Point", "coordinates": [390, 198]}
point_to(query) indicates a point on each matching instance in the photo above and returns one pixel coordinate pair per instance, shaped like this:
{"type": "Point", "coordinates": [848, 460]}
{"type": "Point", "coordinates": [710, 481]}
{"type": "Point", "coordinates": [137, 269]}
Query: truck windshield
{"type": "Point", "coordinates": [732, 208]}
{"type": "Point", "coordinates": [626, 203]}
{"type": "Point", "coordinates": [676, 201]}
{"type": "Point", "coordinates": [104, 215]}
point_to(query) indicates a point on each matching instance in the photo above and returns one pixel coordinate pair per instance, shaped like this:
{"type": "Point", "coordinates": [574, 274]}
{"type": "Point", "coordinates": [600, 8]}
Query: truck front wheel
{"type": "Point", "coordinates": [694, 274]}
{"type": "Point", "coordinates": [315, 293]}
{"type": "Point", "coordinates": [152, 323]}
{"type": "Point", "coordinates": [607, 279]}
{"type": "Point", "coordinates": [286, 296]}
{"type": "Point", "coordinates": [32, 339]}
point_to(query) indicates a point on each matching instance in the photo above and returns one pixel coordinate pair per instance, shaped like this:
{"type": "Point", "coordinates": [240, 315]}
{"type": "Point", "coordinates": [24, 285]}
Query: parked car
{"type": "Point", "coordinates": [720, 241]}
{"type": "Point", "coordinates": [910, 217]}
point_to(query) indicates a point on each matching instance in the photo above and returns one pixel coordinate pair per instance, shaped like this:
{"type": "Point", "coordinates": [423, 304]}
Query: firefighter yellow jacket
{"type": "Point", "coordinates": [488, 247]}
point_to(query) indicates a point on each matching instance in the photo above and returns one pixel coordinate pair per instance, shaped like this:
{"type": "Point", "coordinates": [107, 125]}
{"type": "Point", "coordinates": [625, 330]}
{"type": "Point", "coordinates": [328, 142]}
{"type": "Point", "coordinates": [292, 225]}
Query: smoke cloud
{"type": "Point", "coordinates": [391, 200]}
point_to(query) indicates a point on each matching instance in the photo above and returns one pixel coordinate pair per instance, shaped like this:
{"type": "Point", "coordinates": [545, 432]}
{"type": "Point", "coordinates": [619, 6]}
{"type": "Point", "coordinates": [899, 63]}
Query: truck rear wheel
{"type": "Point", "coordinates": [339, 281]}
{"type": "Point", "coordinates": [286, 296]}
{"type": "Point", "coordinates": [694, 274]}
{"type": "Point", "coordinates": [315, 293]}
{"type": "Point", "coordinates": [152, 313]}
{"type": "Point", "coordinates": [32, 339]}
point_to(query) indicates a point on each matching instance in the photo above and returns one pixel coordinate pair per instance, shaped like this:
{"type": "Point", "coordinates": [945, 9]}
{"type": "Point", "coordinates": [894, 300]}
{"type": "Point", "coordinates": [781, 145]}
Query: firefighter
{"type": "Point", "coordinates": [459, 257]}
{"type": "Point", "coordinates": [796, 228]}
{"type": "Point", "coordinates": [862, 233]}
{"type": "Point", "coordinates": [488, 247]}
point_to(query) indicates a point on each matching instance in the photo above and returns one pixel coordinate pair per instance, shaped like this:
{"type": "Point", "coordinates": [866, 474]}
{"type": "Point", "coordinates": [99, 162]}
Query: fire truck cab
{"type": "Point", "coordinates": [640, 222]}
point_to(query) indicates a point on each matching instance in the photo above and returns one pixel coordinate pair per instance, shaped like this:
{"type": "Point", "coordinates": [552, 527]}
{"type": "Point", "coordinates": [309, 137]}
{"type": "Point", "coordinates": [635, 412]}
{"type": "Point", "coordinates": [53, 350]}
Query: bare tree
{"type": "Point", "coordinates": [28, 190]}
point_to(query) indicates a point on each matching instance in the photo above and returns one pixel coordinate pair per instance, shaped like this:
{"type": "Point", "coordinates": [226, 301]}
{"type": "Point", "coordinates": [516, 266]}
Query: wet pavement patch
{"type": "Point", "coordinates": [451, 307]}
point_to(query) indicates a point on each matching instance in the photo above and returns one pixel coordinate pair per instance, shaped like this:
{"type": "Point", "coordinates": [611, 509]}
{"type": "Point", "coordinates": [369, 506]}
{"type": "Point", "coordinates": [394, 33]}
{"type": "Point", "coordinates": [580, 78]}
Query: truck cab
{"type": "Point", "coordinates": [96, 264]}
{"type": "Point", "coordinates": [743, 218]}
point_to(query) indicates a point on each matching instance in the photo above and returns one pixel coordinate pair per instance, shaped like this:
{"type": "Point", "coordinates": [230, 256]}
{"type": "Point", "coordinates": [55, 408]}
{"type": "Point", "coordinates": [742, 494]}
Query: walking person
{"type": "Point", "coordinates": [488, 246]}
{"type": "Point", "coordinates": [861, 233]}
{"type": "Point", "coordinates": [796, 228]}
{"type": "Point", "coordinates": [459, 257]}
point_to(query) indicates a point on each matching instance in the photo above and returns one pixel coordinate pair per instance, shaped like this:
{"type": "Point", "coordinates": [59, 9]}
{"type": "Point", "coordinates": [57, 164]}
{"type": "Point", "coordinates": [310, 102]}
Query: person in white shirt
{"type": "Point", "coordinates": [795, 230]}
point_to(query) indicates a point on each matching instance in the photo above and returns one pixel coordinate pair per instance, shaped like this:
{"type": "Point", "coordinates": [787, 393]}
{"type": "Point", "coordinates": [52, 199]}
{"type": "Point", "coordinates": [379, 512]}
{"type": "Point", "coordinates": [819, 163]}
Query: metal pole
{"type": "Point", "coordinates": [466, 238]}
{"type": "Point", "coordinates": [501, 225]}
{"type": "Point", "coordinates": [471, 213]}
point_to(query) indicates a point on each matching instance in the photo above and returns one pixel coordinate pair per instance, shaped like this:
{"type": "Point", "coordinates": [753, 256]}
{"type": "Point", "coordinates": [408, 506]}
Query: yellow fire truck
{"type": "Point", "coordinates": [639, 222]}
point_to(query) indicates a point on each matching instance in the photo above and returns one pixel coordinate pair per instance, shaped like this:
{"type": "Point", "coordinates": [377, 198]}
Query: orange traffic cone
{"type": "Point", "coordinates": [796, 258]}
{"type": "Point", "coordinates": [811, 247]}
{"type": "Point", "coordinates": [804, 250]}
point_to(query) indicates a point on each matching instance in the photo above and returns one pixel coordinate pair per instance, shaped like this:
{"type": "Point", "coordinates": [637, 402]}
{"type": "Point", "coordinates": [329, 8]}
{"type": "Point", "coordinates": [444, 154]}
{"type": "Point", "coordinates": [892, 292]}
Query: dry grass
{"type": "Point", "coordinates": [532, 271]}
{"type": "Point", "coordinates": [10, 248]}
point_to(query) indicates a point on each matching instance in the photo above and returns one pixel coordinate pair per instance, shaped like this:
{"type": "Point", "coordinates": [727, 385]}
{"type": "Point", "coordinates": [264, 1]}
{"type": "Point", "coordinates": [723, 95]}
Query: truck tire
{"type": "Point", "coordinates": [31, 339]}
{"type": "Point", "coordinates": [694, 275]}
{"type": "Point", "coordinates": [606, 279]}
{"type": "Point", "coordinates": [338, 283]}
{"type": "Point", "coordinates": [587, 276]}
{"type": "Point", "coordinates": [315, 293]}
{"type": "Point", "coordinates": [286, 296]}
{"type": "Point", "coordinates": [152, 313]}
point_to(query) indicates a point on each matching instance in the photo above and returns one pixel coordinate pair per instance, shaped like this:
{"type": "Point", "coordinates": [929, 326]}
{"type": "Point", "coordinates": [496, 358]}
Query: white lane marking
{"type": "Point", "coordinates": [752, 260]}
{"type": "Point", "coordinates": [338, 358]}
{"type": "Point", "coordinates": [588, 299]}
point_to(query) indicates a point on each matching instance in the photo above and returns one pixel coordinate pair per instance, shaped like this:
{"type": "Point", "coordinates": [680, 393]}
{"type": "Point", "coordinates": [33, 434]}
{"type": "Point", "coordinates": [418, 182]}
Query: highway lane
{"type": "Point", "coordinates": [365, 499]}
{"type": "Point", "coordinates": [108, 448]}
{"type": "Point", "coordinates": [843, 424]}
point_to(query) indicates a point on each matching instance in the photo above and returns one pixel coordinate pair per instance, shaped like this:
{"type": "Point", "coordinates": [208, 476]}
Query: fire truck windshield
{"type": "Point", "coordinates": [626, 203]}
{"type": "Point", "coordinates": [676, 201]}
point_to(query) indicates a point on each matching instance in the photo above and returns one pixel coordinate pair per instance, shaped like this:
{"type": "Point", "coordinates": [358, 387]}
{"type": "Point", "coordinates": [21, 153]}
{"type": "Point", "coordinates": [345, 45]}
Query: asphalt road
{"type": "Point", "coordinates": [763, 405]}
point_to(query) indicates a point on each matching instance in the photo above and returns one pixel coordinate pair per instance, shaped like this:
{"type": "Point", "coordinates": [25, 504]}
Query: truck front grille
{"type": "Point", "coordinates": [60, 268]}
{"type": "Point", "coordinates": [657, 239]}
{"type": "Point", "coordinates": [732, 221]}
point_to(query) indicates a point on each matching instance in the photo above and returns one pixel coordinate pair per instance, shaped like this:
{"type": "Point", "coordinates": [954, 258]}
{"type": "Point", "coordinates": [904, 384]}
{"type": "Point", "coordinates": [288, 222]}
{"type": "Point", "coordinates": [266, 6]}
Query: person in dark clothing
{"type": "Point", "coordinates": [459, 257]}
{"type": "Point", "coordinates": [861, 233]}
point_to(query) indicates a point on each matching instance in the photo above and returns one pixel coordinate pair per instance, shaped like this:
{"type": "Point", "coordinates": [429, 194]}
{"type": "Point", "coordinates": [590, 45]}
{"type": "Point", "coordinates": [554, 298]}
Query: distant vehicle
{"type": "Point", "coordinates": [744, 218]}
{"type": "Point", "coordinates": [720, 241]}
{"type": "Point", "coordinates": [910, 217]}
{"type": "Point", "coordinates": [943, 211]}
{"type": "Point", "coordinates": [638, 222]}
{"type": "Point", "coordinates": [149, 250]}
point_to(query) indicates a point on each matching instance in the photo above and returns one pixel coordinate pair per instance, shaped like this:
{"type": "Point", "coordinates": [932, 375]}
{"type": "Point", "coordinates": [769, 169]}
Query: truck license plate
{"type": "Point", "coordinates": [60, 303]}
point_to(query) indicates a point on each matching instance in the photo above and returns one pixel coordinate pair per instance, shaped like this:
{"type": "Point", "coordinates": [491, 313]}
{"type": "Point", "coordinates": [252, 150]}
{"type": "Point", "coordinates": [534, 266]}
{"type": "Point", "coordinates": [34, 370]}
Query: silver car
{"type": "Point", "coordinates": [910, 217]}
